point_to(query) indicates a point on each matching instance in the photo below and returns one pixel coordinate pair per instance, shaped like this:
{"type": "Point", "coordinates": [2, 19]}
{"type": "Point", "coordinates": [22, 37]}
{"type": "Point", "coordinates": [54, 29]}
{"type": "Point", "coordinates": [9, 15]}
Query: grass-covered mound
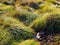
{"type": "Point", "coordinates": [15, 29]}
{"type": "Point", "coordinates": [29, 42]}
{"type": "Point", "coordinates": [49, 23]}
{"type": "Point", "coordinates": [24, 17]}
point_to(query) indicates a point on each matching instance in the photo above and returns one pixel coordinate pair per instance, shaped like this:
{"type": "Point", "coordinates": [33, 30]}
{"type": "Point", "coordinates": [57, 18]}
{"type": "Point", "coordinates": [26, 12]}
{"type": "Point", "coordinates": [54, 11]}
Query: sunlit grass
{"type": "Point", "coordinates": [29, 42]}
{"type": "Point", "coordinates": [19, 24]}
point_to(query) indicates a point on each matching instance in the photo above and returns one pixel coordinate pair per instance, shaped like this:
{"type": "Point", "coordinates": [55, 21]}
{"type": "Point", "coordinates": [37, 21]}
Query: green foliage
{"type": "Point", "coordinates": [49, 22]}
{"type": "Point", "coordinates": [39, 23]}
{"type": "Point", "coordinates": [47, 7]}
{"type": "Point", "coordinates": [50, 0]}
{"type": "Point", "coordinates": [6, 8]}
{"type": "Point", "coordinates": [24, 17]}
{"type": "Point", "coordinates": [5, 36]}
{"type": "Point", "coordinates": [30, 42]}
{"type": "Point", "coordinates": [16, 17]}
{"type": "Point", "coordinates": [17, 30]}
{"type": "Point", "coordinates": [27, 18]}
